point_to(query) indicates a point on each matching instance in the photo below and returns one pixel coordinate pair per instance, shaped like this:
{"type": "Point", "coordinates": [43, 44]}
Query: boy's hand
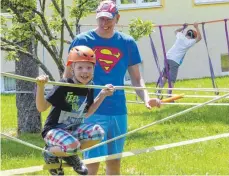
{"type": "Point", "coordinates": [42, 80]}
{"type": "Point", "coordinates": [195, 25]}
{"type": "Point", "coordinates": [185, 25]}
{"type": "Point", "coordinates": [108, 91]}
{"type": "Point", "coordinates": [153, 102]}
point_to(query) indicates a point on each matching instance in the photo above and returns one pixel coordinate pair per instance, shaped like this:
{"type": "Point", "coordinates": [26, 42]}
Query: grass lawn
{"type": "Point", "coordinates": [205, 158]}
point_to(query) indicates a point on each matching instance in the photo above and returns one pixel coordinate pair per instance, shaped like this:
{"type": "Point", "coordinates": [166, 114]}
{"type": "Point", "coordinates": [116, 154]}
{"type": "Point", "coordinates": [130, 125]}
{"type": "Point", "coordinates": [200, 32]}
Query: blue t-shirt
{"type": "Point", "coordinates": [113, 57]}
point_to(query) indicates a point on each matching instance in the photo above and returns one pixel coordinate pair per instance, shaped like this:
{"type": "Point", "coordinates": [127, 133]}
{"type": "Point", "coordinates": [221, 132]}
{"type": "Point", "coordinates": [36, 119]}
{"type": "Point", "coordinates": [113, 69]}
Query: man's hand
{"type": "Point", "coordinates": [153, 102]}
{"type": "Point", "coordinates": [108, 91]}
{"type": "Point", "coordinates": [42, 80]}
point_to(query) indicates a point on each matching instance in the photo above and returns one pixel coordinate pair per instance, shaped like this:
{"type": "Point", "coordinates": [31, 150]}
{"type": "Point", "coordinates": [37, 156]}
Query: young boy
{"type": "Point", "coordinates": [176, 54]}
{"type": "Point", "coordinates": [64, 131]}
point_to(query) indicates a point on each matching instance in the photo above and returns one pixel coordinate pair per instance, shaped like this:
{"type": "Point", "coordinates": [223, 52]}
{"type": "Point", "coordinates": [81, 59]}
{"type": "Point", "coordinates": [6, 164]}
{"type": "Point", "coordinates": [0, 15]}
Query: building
{"type": "Point", "coordinates": [163, 12]}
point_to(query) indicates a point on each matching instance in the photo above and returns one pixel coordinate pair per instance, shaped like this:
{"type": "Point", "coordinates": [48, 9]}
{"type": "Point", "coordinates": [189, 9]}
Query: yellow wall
{"type": "Point", "coordinates": [172, 12]}
{"type": "Point", "coordinates": [178, 12]}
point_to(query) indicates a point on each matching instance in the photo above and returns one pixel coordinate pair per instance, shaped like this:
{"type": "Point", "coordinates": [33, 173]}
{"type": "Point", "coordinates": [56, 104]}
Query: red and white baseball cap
{"type": "Point", "coordinates": [107, 8]}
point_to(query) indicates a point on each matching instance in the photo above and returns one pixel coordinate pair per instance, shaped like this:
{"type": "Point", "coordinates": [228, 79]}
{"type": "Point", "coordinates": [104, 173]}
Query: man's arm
{"type": "Point", "coordinates": [137, 81]}
{"type": "Point", "coordinates": [198, 37]}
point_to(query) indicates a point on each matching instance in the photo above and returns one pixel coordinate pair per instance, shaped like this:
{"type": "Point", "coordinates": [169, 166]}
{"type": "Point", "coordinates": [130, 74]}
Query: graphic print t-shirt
{"type": "Point", "coordinates": [69, 105]}
{"type": "Point", "coordinates": [113, 57]}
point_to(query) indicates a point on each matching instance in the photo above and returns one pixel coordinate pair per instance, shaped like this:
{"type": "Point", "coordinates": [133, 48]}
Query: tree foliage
{"type": "Point", "coordinates": [139, 28]}
{"type": "Point", "coordinates": [46, 22]}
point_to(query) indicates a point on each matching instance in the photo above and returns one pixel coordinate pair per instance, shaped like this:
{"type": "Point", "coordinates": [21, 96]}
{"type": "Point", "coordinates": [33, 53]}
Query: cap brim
{"type": "Point", "coordinates": [104, 14]}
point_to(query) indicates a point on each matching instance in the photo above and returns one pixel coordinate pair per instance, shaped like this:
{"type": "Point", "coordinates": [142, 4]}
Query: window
{"type": "Point", "coordinates": [225, 63]}
{"type": "Point", "coordinates": [9, 84]}
{"type": "Point", "coordinates": [129, 4]}
{"type": "Point", "coordinates": [210, 1]}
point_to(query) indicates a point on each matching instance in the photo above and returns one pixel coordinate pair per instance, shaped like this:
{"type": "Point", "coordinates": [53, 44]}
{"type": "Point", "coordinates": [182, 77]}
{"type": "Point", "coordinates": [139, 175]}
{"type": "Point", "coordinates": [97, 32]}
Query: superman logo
{"type": "Point", "coordinates": [107, 57]}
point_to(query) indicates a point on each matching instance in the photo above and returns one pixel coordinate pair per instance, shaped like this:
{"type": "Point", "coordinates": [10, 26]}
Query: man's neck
{"type": "Point", "coordinates": [104, 35]}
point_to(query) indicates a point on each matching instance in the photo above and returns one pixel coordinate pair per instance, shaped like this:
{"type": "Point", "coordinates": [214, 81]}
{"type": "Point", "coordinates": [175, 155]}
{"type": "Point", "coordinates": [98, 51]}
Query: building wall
{"type": "Point", "coordinates": [195, 64]}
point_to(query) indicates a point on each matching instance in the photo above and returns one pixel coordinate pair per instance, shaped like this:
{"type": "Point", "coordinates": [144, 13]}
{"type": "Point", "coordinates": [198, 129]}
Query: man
{"type": "Point", "coordinates": [115, 53]}
{"type": "Point", "coordinates": [176, 54]}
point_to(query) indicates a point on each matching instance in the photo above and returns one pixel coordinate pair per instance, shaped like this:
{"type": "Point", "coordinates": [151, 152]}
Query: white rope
{"type": "Point", "coordinates": [157, 122]}
{"type": "Point", "coordinates": [17, 92]}
{"type": "Point", "coordinates": [152, 149]}
{"type": "Point", "coordinates": [120, 155]}
{"type": "Point", "coordinates": [186, 96]}
{"type": "Point", "coordinates": [189, 104]}
{"type": "Point", "coordinates": [118, 137]}
{"type": "Point", "coordinates": [22, 142]}
{"type": "Point", "coordinates": [116, 87]}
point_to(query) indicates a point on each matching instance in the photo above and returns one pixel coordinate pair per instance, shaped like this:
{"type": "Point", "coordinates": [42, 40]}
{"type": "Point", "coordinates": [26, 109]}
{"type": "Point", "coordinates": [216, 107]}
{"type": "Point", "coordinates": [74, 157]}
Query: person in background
{"type": "Point", "coordinates": [176, 54]}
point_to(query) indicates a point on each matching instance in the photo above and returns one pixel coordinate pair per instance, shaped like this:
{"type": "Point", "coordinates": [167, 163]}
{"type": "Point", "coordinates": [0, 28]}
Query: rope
{"type": "Point", "coordinates": [120, 155]}
{"type": "Point", "coordinates": [103, 87]}
{"type": "Point", "coordinates": [157, 122]}
{"type": "Point", "coordinates": [22, 142]}
{"type": "Point", "coordinates": [185, 96]}
{"type": "Point", "coordinates": [165, 59]}
{"type": "Point", "coordinates": [163, 25]}
{"type": "Point", "coordinates": [121, 136]}
{"type": "Point", "coordinates": [189, 104]}
{"type": "Point", "coordinates": [210, 62]}
{"type": "Point", "coordinates": [227, 38]}
{"type": "Point", "coordinates": [159, 81]}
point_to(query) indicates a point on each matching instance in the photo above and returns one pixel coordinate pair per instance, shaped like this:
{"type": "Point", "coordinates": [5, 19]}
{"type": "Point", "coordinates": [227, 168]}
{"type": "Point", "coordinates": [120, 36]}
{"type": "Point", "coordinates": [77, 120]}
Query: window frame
{"type": "Point", "coordinates": [138, 5]}
{"type": "Point", "coordinates": [9, 84]}
{"type": "Point", "coordinates": [205, 2]}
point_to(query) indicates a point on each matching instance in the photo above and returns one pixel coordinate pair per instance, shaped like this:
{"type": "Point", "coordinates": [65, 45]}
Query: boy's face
{"type": "Point", "coordinates": [83, 71]}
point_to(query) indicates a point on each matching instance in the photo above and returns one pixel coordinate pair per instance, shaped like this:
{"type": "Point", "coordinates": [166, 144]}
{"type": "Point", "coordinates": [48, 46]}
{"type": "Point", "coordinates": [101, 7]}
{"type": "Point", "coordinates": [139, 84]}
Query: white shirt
{"type": "Point", "coordinates": [179, 48]}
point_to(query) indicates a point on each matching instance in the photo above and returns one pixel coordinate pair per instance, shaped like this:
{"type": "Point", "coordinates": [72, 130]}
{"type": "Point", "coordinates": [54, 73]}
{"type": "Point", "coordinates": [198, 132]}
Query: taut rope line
{"type": "Point", "coordinates": [159, 121]}
{"type": "Point", "coordinates": [10, 75]}
{"type": "Point", "coordinates": [119, 155]}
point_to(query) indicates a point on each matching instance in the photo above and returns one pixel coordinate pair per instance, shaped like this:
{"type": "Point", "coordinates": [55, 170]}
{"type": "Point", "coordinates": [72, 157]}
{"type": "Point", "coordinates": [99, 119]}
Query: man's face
{"type": "Point", "coordinates": [106, 25]}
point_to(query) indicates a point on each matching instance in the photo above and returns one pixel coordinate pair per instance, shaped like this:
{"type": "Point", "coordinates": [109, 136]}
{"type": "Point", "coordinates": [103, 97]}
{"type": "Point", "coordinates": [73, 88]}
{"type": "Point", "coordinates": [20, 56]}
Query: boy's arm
{"type": "Point", "coordinates": [41, 103]}
{"type": "Point", "coordinates": [198, 37]}
{"type": "Point", "coordinates": [182, 28]}
{"type": "Point", "coordinates": [99, 99]}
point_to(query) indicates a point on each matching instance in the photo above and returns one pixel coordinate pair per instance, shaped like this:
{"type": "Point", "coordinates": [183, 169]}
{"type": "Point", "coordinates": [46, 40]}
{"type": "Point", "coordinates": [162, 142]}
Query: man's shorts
{"type": "Point", "coordinates": [173, 70]}
{"type": "Point", "coordinates": [113, 126]}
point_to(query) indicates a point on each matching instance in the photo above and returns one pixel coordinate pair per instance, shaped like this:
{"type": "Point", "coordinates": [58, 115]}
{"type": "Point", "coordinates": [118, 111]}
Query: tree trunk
{"type": "Point", "coordinates": [29, 119]}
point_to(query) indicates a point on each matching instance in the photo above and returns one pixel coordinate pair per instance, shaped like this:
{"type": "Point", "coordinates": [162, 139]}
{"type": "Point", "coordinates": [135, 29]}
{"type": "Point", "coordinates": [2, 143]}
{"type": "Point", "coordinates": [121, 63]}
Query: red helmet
{"type": "Point", "coordinates": [81, 54]}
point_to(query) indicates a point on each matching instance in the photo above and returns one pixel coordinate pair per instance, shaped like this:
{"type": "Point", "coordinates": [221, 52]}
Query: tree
{"type": "Point", "coordinates": [29, 27]}
{"type": "Point", "coordinates": [32, 26]}
{"type": "Point", "coordinates": [139, 28]}
{"type": "Point", "coordinates": [47, 30]}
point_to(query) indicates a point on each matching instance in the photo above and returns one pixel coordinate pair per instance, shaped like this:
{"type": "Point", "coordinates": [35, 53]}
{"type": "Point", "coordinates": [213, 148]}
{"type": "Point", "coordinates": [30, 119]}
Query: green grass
{"type": "Point", "coordinates": [206, 158]}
